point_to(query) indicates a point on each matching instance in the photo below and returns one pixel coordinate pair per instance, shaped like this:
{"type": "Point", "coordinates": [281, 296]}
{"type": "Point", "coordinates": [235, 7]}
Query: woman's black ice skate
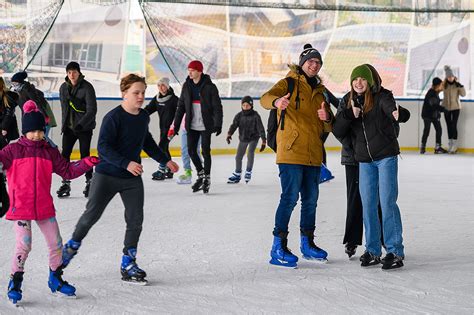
{"type": "Point", "coordinates": [368, 259]}
{"type": "Point", "coordinates": [65, 189]}
{"type": "Point", "coordinates": [392, 261]}
{"type": "Point", "coordinates": [197, 186]}
{"type": "Point", "coordinates": [206, 184]}
{"type": "Point", "coordinates": [350, 249]}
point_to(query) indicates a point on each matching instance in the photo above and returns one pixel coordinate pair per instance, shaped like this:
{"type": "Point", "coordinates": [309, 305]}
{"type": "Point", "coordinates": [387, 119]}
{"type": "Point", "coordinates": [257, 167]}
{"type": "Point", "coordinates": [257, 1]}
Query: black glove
{"type": "Point", "coordinates": [229, 137]}
{"type": "Point", "coordinates": [459, 85]}
{"type": "Point", "coordinates": [359, 101]}
{"type": "Point", "coordinates": [218, 131]}
{"type": "Point", "coordinates": [264, 145]}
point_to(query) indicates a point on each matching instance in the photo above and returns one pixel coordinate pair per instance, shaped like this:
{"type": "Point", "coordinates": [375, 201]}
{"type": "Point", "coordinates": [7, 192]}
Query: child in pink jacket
{"type": "Point", "coordinates": [29, 164]}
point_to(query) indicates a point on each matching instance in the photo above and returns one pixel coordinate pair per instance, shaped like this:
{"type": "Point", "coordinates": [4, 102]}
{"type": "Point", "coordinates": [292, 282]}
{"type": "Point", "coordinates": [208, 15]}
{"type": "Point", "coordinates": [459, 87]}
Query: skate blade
{"type": "Point", "coordinates": [392, 267]}
{"type": "Point", "coordinates": [369, 264]}
{"type": "Point", "coordinates": [232, 182]}
{"type": "Point", "coordinates": [285, 264]}
{"type": "Point", "coordinates": [16, 303]}
{"type": "Point", "coordinates": [316, 260]}
{"type": "Point", "coordinates": [183, 183]}
{"type": "Point", "coordinates": [60, 295]}
{"type": "Point", "coordinates": [142, 282]}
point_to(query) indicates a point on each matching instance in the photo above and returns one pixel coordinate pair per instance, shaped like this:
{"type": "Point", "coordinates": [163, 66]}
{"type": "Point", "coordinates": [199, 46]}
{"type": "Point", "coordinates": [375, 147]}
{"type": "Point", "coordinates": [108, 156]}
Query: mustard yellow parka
{"type": "Point", "coordinates": [300, 141]}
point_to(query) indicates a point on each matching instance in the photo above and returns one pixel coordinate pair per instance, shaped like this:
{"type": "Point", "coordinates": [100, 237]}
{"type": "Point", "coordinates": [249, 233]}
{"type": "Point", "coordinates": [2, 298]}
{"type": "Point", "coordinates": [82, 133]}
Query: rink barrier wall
{"type": "Point", "coordinates": [409, 139]}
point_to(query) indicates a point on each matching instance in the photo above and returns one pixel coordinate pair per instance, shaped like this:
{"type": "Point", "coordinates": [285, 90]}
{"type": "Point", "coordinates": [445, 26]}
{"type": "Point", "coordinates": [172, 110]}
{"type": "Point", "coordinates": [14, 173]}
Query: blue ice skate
{"type": "Point", "coordinates": [325, 175]}
{"type": "Point", "coordinates": [310, 251]}
{"type": "Point", "coordinates": [14, 287]}
{"type": "Point", "coordinates": [234, 178]}
{"type": "Point", "coordinates": [58, 285]}
{"type": "Point", "coordinates": [69, 251]}
{"type": "Point", "coordinates": [130, 270]}
{"type": "Point", "coordinates": [281, 254]}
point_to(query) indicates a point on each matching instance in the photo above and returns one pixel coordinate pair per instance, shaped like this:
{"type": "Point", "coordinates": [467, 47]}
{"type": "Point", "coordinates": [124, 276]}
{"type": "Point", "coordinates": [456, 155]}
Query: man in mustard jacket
{"type": "Point", "coordinates": [299, 153]}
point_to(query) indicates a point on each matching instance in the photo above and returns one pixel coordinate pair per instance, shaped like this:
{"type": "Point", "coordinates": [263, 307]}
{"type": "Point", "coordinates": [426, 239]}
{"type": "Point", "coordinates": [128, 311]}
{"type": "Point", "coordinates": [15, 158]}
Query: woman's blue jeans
{"type": "Point", "coordinates": [379, 179]}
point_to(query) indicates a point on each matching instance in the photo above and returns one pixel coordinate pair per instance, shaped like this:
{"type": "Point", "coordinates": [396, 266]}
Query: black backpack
{"type": "Point", "coordinates": [273, 122]}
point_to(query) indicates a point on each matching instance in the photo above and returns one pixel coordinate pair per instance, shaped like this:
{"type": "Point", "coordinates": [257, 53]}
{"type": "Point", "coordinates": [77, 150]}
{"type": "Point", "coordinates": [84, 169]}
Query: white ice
{"type": "Point", "coordinates": [209, 253]}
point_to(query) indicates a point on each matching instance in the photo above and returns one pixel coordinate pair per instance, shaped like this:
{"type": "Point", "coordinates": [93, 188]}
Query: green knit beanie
{"type": "Point", "coordinates": [364, 72]}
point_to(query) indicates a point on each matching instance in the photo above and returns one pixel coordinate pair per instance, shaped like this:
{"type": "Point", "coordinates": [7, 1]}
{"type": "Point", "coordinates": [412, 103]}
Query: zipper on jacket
{"type": "Point", "coordinates": [365, 134]}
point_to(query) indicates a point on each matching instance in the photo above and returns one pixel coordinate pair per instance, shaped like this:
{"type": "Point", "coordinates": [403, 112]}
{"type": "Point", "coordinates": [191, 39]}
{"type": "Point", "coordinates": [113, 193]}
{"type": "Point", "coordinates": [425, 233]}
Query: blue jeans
{"type": "Point", "coordinates": [184, 150]}
{"type": "Point", "coordinates": [379, 179]}
{"type": "Point", "coordinates": [297, 179]}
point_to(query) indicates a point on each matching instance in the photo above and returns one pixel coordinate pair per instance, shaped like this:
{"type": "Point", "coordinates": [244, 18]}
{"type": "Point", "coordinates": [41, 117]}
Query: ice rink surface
{"type": "Point", "coordinates": [208, 254]}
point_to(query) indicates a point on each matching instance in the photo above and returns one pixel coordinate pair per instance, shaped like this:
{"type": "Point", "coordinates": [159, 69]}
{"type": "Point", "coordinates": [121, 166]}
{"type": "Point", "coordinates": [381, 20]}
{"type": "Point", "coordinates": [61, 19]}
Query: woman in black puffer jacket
{"type": "Point", "coordinates": [8, 124]}
{"type": "Point", "coordinates": [368, 116]}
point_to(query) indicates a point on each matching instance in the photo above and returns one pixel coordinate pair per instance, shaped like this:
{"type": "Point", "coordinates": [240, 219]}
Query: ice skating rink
{"type": "Point", "coordinates": [208, 254]}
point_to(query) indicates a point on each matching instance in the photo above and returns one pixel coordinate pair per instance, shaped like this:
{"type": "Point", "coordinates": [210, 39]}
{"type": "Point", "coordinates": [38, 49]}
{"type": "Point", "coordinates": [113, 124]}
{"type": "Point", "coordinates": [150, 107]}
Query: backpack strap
{"type": "Point", "coordinates": [291, 87]}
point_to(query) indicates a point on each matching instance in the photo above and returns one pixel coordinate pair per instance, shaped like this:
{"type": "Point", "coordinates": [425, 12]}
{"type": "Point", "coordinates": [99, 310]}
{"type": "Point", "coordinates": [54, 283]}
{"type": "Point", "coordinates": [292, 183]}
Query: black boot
{"type": "Point", "coordinates": [350, 249]}
{"type": "Point", "coordinates": [65, 189]}
{"type": "Point", "coordinates": [392, 261]}
{"type": "Point", "coordinates": [368, 259]}
{"type": "Point", "coordinates": [439, 149]}
{"type": "Point", "coordinates": [206, 184]}
{"type": "Point", "coordinates": [423, 148]}
{"type": "Point", "coordinates": [86, 189]}
{"type": "Point", "coordinates": [199, 181]}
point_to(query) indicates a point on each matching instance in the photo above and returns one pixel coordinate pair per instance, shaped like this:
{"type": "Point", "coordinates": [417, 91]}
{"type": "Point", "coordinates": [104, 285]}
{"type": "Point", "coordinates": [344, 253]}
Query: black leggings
{"type": "Point", "coordinates": [452, 123]}
{"type": "Point", "coordinates": [426, 130]}
{"type": "Point", "coordinates": [193, 140]}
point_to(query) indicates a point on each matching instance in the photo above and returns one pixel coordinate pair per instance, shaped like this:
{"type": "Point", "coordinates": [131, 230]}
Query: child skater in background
{"type": "Point", "coordinates": [250, 130]}
{"type": "Point", "coordinates": [29, 164]}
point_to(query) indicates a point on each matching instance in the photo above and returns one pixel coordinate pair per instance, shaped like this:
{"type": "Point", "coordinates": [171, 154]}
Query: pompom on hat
{"type": "Point", "coordinates": [448, 71]}
{"type": "Point", "coordinates": [32, 118]}
{"type": "Point", "coordinates": [308, 53]}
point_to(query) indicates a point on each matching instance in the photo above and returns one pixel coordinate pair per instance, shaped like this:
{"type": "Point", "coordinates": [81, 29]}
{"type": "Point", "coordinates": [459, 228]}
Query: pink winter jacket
{"type": "Point", "coordinates": [30, 165]}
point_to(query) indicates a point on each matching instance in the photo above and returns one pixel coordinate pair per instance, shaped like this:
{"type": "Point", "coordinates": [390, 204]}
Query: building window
{"type": "Point", "coordinates": [89, 56]}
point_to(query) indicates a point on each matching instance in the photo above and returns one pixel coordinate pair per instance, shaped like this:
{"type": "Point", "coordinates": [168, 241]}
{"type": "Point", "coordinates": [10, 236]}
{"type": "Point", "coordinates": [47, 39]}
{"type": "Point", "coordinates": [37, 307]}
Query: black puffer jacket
{"type": "Point", "coordinates": [211, 106]}
{"type": "Point", "coordinates": [78, 105]}
{"type": "Point", "coordinates": [7, 116]}
{"type": "Point", "coordinates": [250, 126]}
{"type": "Point", "coordinates": [431, 106]}
{"type": "Point", "coordinates": [166, 106]}
{"type": "Point", "coordinates": [373, 134]}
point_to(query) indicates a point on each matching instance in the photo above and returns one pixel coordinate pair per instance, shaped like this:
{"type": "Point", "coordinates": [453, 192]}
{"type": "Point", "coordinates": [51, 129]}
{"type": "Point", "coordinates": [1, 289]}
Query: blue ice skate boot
{"type": "Point", "coordinates": [325, 174]}
{"type": "Point", "coordinates": [234, 178]}
{"type": "Point", "coordinates": [14, 287]}
{"type": "Point", "coordinates": [130, 270]}
{"type": "Point", "coordinates": [69, 251]}
{"type": "Point", "coordinates": [248, 176]}
{"type": "Point", "coordinates": [58, 285]}
{"type": "Point", "coordinates": [309, 250]}
{"type": "Point", "coordinates": [280, 253]}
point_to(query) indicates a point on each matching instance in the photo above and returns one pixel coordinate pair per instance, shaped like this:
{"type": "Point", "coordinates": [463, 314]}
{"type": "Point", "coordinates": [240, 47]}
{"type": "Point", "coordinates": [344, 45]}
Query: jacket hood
{"type": "Point", "coordinates": [295, 73]}
{"type": "Point", "coordinates": [205, 79]}
{"type": "Point", "coordinates": [377, 79]}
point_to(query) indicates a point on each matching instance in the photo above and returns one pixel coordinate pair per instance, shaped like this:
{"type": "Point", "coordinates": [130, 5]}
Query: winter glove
{"type": "Point", "coordinates": [264, 145]}
{"type": "Point", "coordinates": [229, 137]}
{"type": "Point", "coordinates": [459, 85]}
{"type": "Point", "coordinates": [217, 130]}
{"type": "Point", "coordinates": [171, 134]}
{"type": "Point", "coordinates": [92, 160]}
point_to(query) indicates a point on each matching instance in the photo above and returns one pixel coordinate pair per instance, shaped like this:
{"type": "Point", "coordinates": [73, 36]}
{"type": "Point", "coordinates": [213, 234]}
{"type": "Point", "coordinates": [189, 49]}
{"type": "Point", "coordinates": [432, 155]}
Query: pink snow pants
{"type": "Point", "coordinates": [50, 230]}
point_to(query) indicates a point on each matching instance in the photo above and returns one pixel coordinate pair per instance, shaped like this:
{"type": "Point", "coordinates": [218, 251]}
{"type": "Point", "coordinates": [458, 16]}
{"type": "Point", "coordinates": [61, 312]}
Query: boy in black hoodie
{"type": "Point", "coordinates": [250, 130]}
